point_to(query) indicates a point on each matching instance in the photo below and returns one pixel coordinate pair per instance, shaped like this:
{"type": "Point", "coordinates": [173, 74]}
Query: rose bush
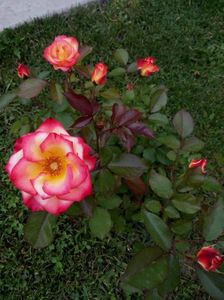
{"type": "Point", "coordinates": [145, 168]}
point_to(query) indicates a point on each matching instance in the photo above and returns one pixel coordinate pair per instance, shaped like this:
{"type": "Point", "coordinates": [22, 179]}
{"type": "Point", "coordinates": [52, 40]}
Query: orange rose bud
{"type": "Point", "coordinates": [209, 258]}
{"type": "Point", "coordinates": [23, 71]}
{"type": "Point", "coordinates": [198, 163]}
{"type": "Point", "coordinates": [98, 74]}
{"type": "Point", "coordinates": [146, 66]}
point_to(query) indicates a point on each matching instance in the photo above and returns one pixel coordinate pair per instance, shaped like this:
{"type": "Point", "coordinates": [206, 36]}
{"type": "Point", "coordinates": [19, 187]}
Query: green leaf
{"type": "Point", "coordinates": [105, 182]}
{"type": "Point", "coordinates": [56, 93]}
{"type": "Point", "coordinates": [109, 202]}
{"type": "Point", "coordinates": [181, 227]}
{"type": "Point", "coordinates": [117, 72]}
{"type": "Point", "coordinates": [158, 118]}
{"type": "Point", "coordinates": [173, 276]}
{"type": "Point", "coordinates": [171, 212]}
{"type": "Point", "coordinates": [128, 96]}
{"type": "Point", "coordinates": [146, 270]}
{"type": "Point", "coordinates": [65, 118]}
{"type": "Point", "coordinates": [183, 123]}
{"type": "Point", "coordinates": [43, 74]}
{"type": "Point", "coordinates": [153, 206]}
{"type": "Point", "coordinates": [6, 99]}
{"type": "Point", "coordinates": [153, 295]}
{"type": "Point", "coordinates": [132, 68]}
{"type": "Point", "coordinates": [38, 230]}
{"type": "Point", "coordinates": [214, 221]}
{"type": "Point", "coordinates": [31, 88]}
{"type": "Point", "coordinates": [213, 283]}
{"type": "Point", "coordinates": [211, 184]}
{"type": "Point", "coordinates": [158, 99]}
{"type": "Point", "coordinates": [195, 180]}
{"type": "Point", "coordinates": [127, 165]}
{"type": "Point", "coordinates": [161, 157]}
{"type": "Point", "coordinates": [160, 185]}
{"type": "Point", "coordinates": [119, 221]}
{"type": "Point", "coordinates": [158, 230]}
{"type": "Point", "coordinates": [24, 129]}
{"type": "Point", "coordinates": [170, 141]}
{"type": "Point", "coordinates": [121, 55]}
{"type": "Point", "coordinates": [192, 144]}
{"type": "Point", "coordinates": [149, 154]}
{"type": "Point", "coordinates": [171, 155]}
{"type": "Point", "coordinates": [111, 94]}
{"type": "Point", "coordinates": [106, 156]}
{"type": "Point", "coordinates": [100, 223]}
{"type": "Point", "coordinates": [183, 246]}
{"type": "Point", "coordinates": [186, 203]}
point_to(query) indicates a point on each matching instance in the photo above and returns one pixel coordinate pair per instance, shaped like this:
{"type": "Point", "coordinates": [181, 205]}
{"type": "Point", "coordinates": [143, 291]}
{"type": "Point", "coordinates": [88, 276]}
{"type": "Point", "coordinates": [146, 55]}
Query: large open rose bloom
{"type": "Point", "coordinates": [62, 53]}
{"type": "Point", "coordinates": [51, 168]}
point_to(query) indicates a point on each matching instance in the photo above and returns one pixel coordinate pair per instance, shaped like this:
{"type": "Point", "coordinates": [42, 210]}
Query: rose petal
{"type": "Point", "coordinates": [31, 145]}
{"type": "Point", "coordinates": [52, 126]}
{"type": "Point", "coordinates": [13, 160]}
{"type": "Point", "coordinates": [22, 174]}
{"type": "Point", "coordinates": [56, 145]}
{"type": "Point", "coordinates": [58, 185]}
{"type": "Point", "coordinates": [54, 205]}
{"type": "Point", "coordinates": [79, 193]}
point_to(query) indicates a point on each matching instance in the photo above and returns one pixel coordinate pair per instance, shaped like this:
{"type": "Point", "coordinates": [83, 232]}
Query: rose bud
{"type": "Point", "coordinates": [146, 66]}
{"type": "Point", "coordinates": [98, 75]}
{"type": "Point", "coordinates": [129, 87]}
{"type": "Point", "coordinates": [209, 258]}
{"type": "Point", "coordinates": [23, 71]}
{"type": "Point", "coordinates": [51, 168]}
{"type": "Point", "coordinates": [198, 163]}
{"type": "Point", "coordinates": [62, 53]}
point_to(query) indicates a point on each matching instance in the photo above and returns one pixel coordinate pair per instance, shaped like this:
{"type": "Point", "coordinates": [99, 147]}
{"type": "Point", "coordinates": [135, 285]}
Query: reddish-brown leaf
{"type": "Point", "coordinates": [79, 102]}
{"type": "Point", "coordinates": [95, 106]}
{"type": "Point", "coordinates": [141, 128]}
{"type": "Point", "coordinates": [123, 116]}
{"type": "Point", "coordinates": [136, 185]}
{"type": "Point", "coordinates": [126, 137]}
{"type": "Point", "coordinates": [82, 122]}
{"type": "Point", "coordinates": [117, 111]}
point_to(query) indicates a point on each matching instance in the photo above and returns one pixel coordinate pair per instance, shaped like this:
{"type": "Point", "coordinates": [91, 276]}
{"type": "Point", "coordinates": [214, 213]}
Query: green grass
{"type": "Point", "coordinates": [187, 39]}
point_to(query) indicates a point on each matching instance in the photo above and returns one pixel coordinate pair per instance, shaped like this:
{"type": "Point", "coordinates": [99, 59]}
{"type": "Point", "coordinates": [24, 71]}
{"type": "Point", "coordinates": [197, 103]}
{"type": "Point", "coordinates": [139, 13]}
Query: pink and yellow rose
{"type": "Point", "coordinates": [146, 66]}
{"type": "Point", "coordinates": [98, 75]}
{"type": "Point", "coordinates": [62, 53]}
{"type": "Point", "coordinates": [51, 168]}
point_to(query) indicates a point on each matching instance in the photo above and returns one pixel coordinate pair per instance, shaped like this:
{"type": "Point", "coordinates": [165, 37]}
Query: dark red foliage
{"type": "Point", "coordinates": [125, 124]}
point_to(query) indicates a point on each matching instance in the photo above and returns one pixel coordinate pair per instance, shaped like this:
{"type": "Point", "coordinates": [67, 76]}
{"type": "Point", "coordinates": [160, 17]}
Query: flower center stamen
{"type": "Point", "coordinates": [53, 165]}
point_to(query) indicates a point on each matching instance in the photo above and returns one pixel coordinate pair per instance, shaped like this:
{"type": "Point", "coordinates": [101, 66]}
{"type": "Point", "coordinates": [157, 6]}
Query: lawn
{"type": "Point", "coordinates": [186, 38]}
